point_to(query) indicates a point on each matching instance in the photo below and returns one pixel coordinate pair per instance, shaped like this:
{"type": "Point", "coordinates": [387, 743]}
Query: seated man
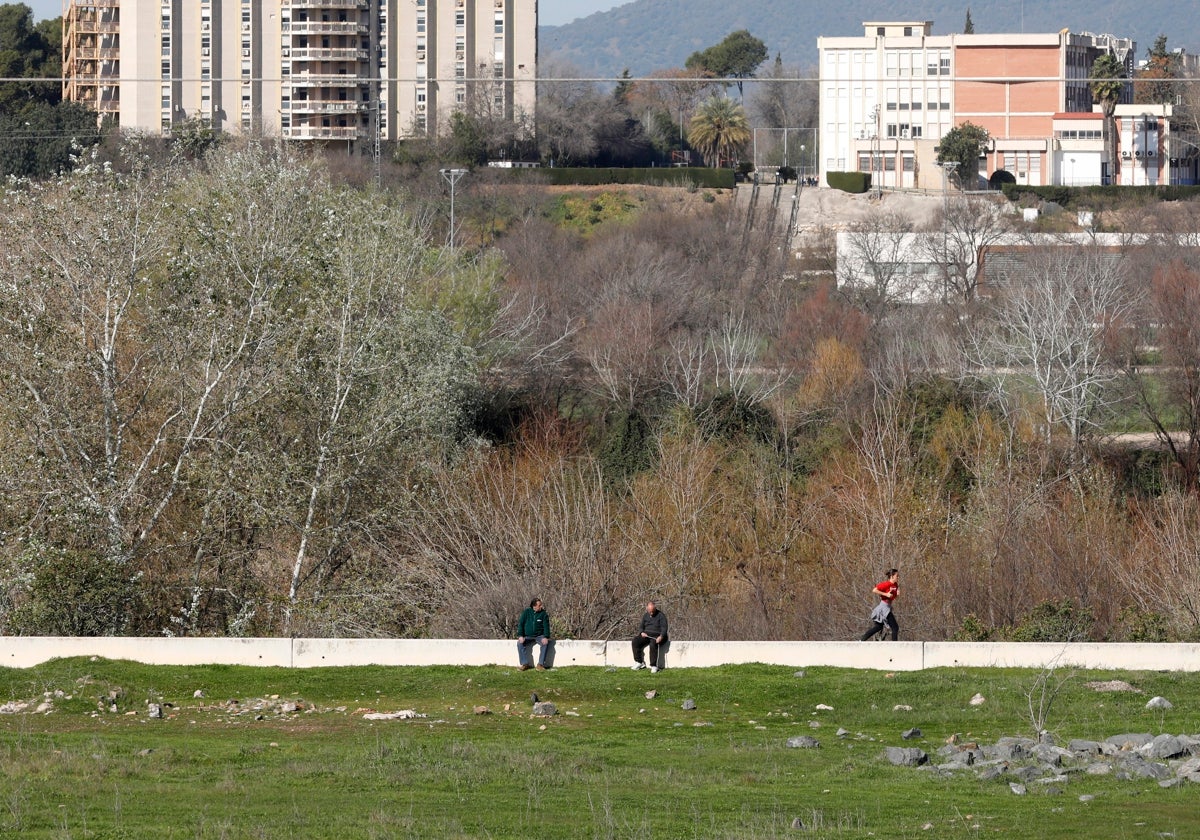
{"type": "Point", "coordinates": [651, 633]}
{"type": "Point", "coordinates": [533, 628]}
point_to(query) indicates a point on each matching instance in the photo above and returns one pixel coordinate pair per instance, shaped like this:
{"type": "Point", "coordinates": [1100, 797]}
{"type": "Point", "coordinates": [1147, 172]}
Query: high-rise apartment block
{"type": "Point", "coordinates": [888, 97]}
{"type": "Point", "coordinates": [342, 70]}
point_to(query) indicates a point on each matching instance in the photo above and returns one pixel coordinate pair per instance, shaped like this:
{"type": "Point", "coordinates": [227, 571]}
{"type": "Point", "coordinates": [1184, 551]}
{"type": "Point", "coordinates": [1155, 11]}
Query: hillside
{"type": "Point", "coordinates": [647, 35]}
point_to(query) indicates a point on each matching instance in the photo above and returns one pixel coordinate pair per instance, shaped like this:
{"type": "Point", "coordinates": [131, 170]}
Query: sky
{"type": "Point", "coordinates": [550, 12]}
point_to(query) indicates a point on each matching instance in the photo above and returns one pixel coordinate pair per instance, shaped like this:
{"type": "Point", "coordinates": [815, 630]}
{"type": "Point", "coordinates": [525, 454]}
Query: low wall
{"type": "Point", "coordinates": [27, 651]}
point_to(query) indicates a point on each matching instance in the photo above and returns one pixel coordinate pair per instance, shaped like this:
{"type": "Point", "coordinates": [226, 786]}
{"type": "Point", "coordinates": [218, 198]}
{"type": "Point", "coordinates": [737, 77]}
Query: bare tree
{"type": "Point", "coordinates": [873, 267]}
{"type": "Point", "coordinates": [1051, 327]}
{"type": "Point", "coordinates": [969, 224]}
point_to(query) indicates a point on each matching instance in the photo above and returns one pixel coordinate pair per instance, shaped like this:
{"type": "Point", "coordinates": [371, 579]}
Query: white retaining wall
{"type": "Point", "coordinates": [27, 651]}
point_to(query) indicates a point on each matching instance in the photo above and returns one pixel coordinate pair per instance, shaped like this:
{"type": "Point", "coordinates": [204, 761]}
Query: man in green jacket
{"type": "Point", "coordinates": [533, 628]}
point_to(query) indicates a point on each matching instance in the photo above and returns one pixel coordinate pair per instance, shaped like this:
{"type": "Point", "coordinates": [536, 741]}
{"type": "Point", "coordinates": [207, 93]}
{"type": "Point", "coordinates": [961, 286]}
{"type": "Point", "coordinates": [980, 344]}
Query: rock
{"type": "Point", "coordinates": [1189, 768]}
{"type": "Point", "coordinates": [1087, 797]}
{"type": "Point", "coordinates": [198, 693]}
{"type": "Point", "coordinates": [911, 734]}
{"type": "Point", "coordinates": [544, 709]}
{"type": "Point", "coordinates": [482, 710]}
{"type": "Point", "coordinates": [1078, 745]}
{"type": "Point", "coordinates": [1130, 740]}
{"type": "Point", "coordinates": [1165, 746]}
{"type": "Point", "coordinates": [990, 772]}
{"type": "Point", "coordinates": [1170, 783]}
{"type": "Point", "coordinates": [533, 698]}
{"type": "Point", "coordinates": [145, 752]}
{"type": "Point", "coordinates": [798, 824]}
{"type": "Point", "coordinates": [977, 700]}
{"type": "Point", "coordinates": [901, 708]}
{"type": "Point", "coordinates": [650, 695]}
{"type": "Point", "coordinates": [44, 707]}
{"type": "Point", "coordinates": [1159, 703]}
{"type": "Point", "coordinates": [289, 706]}
{"type": "Point", "coordinates": [821, 707]}
{"type": "Point", "coordinates": [906, 756]}
{"type": "Point", "coordinates": [1112, 685]}
{"type": "Point", "coordinates": [1017, 788]}
{"type": "Point", "coordinates": [689, 705]}
{"type": "Point", "coordinates": [799, 675]}
{"type": "Point", "coordinates": [155, 711]}
{"type": "Point", "coordinates": [842, 733]}
{"type": "Point", "coordinates": [803, 742]}
{"type": "Point", "coordinates": [1098, 768]}
{"type": "Point", "coordinates": [1052, 755]}
{"type": "Point", "coordinates": [814, 724]}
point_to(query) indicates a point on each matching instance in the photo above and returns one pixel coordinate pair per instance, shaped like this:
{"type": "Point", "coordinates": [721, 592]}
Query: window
{"type": "Point", "coordinates": [908, 30]}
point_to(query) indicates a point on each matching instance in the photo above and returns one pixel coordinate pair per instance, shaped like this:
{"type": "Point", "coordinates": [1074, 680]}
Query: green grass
{"type": "Point", "coordinates": [625, 767]}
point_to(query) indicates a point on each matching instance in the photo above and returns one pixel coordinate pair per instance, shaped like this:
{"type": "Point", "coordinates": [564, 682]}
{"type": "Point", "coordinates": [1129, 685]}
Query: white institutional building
{"type": "Point", "coordinates": [336, 70]}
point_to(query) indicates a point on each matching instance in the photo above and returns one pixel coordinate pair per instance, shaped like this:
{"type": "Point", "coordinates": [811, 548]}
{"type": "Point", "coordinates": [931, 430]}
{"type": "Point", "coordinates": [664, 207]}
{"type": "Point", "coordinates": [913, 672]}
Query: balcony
{"type": "Point", "coordinates": [329, 54]}
{"type": "Point", "coordinates": [92, 53]}
{"type": "Point", "coordinates": [326, 106]}
{"type": "Point", "coordinates": [331, 80]}
{"type": "Point", "coordinates": [325, 27]}
{"type": "Point", "coordinates": [318, 132]}
{"type": "Point", "coordinates": [324, 4]}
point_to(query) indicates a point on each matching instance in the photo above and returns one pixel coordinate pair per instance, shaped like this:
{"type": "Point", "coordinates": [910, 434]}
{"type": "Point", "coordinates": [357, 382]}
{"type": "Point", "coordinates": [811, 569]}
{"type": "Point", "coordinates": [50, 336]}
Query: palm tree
{"type": "Point", "coordinates": [718, 129]}
{"type": "Point", "coordinates": [1108, 80]}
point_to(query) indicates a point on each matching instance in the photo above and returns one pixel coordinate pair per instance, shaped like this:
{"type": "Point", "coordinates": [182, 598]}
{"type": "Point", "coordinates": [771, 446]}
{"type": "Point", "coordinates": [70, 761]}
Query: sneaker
{"type": "Point", "coordinates": [653, 669]}
{"type": "Point", "coordinates": [541, 667]}
{"type": "Point", "coordinates": [524, 668]}
{"type": "Point", "coordinates": [637, 666]}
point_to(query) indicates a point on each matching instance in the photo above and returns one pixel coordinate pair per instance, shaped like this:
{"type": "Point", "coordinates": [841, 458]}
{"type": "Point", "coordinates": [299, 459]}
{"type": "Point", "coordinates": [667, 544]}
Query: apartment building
{"type": "Point", "coordinates": [332, 70]}
{"type": "Point", "coordinates": [887, 98]}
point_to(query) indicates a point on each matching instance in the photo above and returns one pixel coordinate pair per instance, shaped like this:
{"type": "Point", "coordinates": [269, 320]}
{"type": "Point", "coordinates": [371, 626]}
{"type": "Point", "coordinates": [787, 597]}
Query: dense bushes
{"type": "Point", "coordinates": [851, 182]}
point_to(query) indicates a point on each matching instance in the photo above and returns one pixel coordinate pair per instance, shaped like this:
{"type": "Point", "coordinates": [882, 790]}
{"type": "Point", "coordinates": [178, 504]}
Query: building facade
{"type": "Point", "coordinates": [334, 70]}
{"type": "Point", "coordinates": [889, 96]}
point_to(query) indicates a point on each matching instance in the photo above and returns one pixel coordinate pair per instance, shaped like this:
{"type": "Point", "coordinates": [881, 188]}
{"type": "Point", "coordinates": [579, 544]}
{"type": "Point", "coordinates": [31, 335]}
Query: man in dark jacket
{"type": "Point", "coordinates": [533, 628]}
{"type": "Point", "coordinates": [651, 633]}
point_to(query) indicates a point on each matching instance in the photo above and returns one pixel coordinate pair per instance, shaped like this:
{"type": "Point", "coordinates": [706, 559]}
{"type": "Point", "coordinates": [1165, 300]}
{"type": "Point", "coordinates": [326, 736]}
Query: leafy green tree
{"type": "Point", "coordinates": [40, 139]}
{"type": "Point", "coordinates": [1108, 81]}
{"type": "Point", "coordinates": [737, 57]}
{"type": "Point", "coordinates": [719, 129]}
{"type": "Point", "coordinates": [27, 53]}
{"type": "Point", "coordinates": [963, 144]}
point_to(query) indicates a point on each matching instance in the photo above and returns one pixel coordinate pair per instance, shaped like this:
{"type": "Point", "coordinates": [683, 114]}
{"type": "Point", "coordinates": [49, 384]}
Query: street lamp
{"type": "Point", "coordinates": [948, 169]}
{"type": "Point", "coordinates": [1071, 172]}
{"type": "Point", "coordinates": [452, 177]}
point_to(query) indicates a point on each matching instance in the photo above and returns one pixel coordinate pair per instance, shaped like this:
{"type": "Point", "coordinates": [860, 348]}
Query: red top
{"type": "Point", "coordinates": [890, 587]}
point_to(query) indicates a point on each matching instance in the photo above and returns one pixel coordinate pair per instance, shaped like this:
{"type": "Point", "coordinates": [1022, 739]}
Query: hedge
{"type": "Point", "coordinates": [664, 176]}
{"type": "Point", "coordinates": [1066, 196]}
{"type": "Point", "coordinates": [851, 182]}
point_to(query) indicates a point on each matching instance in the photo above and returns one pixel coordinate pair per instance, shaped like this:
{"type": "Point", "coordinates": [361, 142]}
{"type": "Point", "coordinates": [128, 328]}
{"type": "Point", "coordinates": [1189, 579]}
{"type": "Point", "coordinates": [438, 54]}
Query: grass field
{"type": "Point", "coordinates": [610, 764]}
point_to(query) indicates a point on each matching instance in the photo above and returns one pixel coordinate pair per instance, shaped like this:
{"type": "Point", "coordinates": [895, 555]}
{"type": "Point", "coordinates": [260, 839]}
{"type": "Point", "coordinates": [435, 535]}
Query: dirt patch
{"type": "Point", "coordinates": [1112, 685]}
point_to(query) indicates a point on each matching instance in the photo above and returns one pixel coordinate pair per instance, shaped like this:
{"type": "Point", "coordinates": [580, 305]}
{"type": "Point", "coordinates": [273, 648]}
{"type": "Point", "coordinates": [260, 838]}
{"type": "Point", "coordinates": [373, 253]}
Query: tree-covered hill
{"type": "Point", "coordinates": [646, 35]}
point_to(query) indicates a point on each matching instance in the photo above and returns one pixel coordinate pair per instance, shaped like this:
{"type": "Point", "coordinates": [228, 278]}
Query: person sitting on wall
{"type": "Point", "coordinates": [533, 628]}
{"type": "Point", "coordinates": [652, 633]}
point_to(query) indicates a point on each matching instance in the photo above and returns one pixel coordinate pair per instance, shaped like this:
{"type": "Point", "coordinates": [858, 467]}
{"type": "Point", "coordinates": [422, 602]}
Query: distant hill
{"type": "Point", "coordinates": [648, 35]}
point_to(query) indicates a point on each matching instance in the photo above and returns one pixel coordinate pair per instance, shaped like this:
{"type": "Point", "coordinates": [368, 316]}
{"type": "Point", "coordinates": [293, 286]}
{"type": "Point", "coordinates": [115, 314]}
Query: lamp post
{"type": "Point", "coordinates": [1071, 172]}
{"type": "Point", "coordinates": [948, 169]}
{"type": "Point", "coordinates": [452, 177]}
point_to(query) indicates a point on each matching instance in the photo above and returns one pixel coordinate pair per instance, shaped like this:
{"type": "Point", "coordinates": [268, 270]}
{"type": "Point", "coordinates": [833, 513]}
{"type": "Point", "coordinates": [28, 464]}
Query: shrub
{"type": "Point", "coordinates": [851, 182]}
{"type": "Point", "coordinates": [75, 594]}
{"type": "Point", "coordinates": [1054, 621]}
{"type": "Point", "coordinates": [1001, 177]}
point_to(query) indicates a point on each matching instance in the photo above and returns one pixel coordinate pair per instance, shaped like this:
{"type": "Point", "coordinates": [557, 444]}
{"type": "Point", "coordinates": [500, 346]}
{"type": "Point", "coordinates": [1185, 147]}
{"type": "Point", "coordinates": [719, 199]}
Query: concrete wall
{"type": "Point", "coordinates": [27, 651]}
